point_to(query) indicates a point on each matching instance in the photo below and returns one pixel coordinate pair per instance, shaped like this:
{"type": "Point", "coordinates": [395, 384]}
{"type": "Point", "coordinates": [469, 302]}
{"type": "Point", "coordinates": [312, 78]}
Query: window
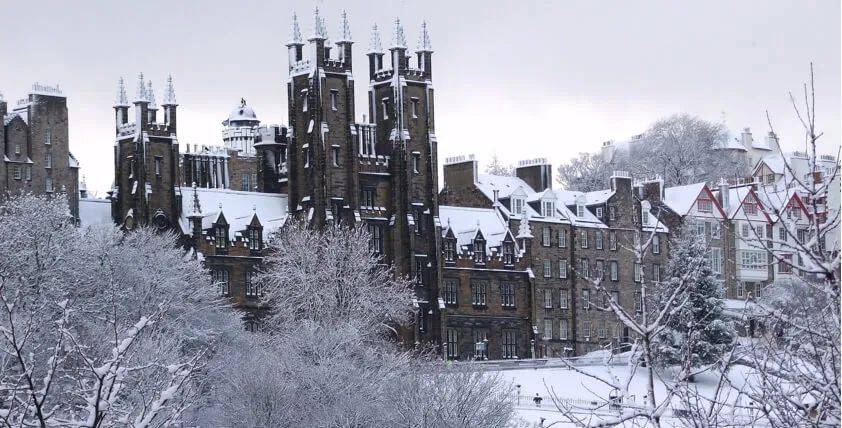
{"type": "Point", "coordinates": [507, 294]}
{"type": "Point", "coordinates": [480, 343]}
{"type": "Point", "coordinates": [252, 288]}
{"type": "Point", "coordinates": [644, 217]}
{"type": "Point", "coordinates": [419, 270]}
{"type": "Point", "coordinates": [562, 329]}
{"type": "Point", "coordinates": [375, 242]}
{"type": "Point", "coordinates": [598, 212]}
{"type": "Point", "coordinates": [716, 230]}
{"type": "Point", "coordinates": [741, 289]}
{"type": "Point", "coordinates": [563, 299]}
{"type": "Point", "coordinates": [220, 276]}
{"type": "Point", "coordinates": [334, 95]}
{"type": "Point", "coordinates": [28, 172]}
{"type": "Point", "coordinates": [17, 172]}
{"type": "Point", "coordinates": [656, 244]}
{"type": "Point", "coordinates": [478, 291]}
{"type": "Point", "coordinates": [549, 208]}
{"type": "Point", "coordinates": [517, 205]}
{"type": "Point", "coordinates": [801, 235]}
{"type": "Point", "coordinates": [221, 236]}
{"type": "Point", "coordinates": [548, 273]}
{"type": "Point", "coordinates": [48, 160]}
{"type": "Point", "coordinates": [744, 230]}
{"type": "Point", "coordinates": [612, 241]}
{"type": "Point", "coordinates": [701, 229]}
{"type": "Point", "coordinates": [548, 299]}
{"type": "Point", "coordinates": [612, 213]}
{"type": "Point", "coordinates": [562, 268]}
{"type": "Point", "coordinates": [600, 238]}
{"type": "Point", "coordinates": [450, 294]}
{"type": "Point", "coordinates": [599, 269]}
{"type": "Point", "coordinates": [17, 148]}
{"type": "Point", "coordinates": [615, 296]}
{"type": "Point", "coordinates": [416, 161]}
{"type": "Point", "coordinates": [245, 182]}
{"type": "Point", "coordinates": [638, 272]}
{"type": "Point", "coordinates": [384, 104]}
{"type": "Point", "coordinates": [449, 250]}
{"type": "Point", "coordinates": [334, 151]}
{"type": "Point", "coordinates": [509, 343]}
{"type": "Point", "coordinates": [452, 343]}
{"type": "Point", "coordinates": [785, 264]}
{"type": "Point", "coordinates": [752, 259]}
{"type": "Point", "coordinates": [254, 239]}
{"type": "Point", "coordinates": [750, 208]}
{"type": "Point", "coordinates": [508, 253]}
{"type": "Point", "coordinates": [656, 273]}
{"type": "Point", "coordinates": [580, 211]}
{"type": "Point", "coordinates": [548, 329]}
{"type": "Point", "coordinates": [304, 100]}
{"type": "Point", "coordinates": [601, 329]}
{"type": "Point", "coordinates": [615, 270]}
{"type": "Point", "coordinates": [638, 303]}
{"type": "Point", "coordinates": [782, 234]}
{"type": "Point", "coordinates": [758, 230]}
{"type": "Point", "coordinates": [48, 137]}
{"type": "Point", "coordinates": [414, 108]}
{"type": "Point", "coordinates": [586, 330]}
{"type": "Point", "coordinates": [584, 270]}
{"type": "Point", "coordinates": [545, 236]}
{"type": "Point", "coordinates": [48, 185]}
{"type": "Point", "coordinates": [583, 238]}
{"type": "Point", "coordinates": [562, 238]}
{"type": "Point", "coordinates": [479, 250]}
{"type": "Point", "coordinates": [716, 260]}
{"type": "Point", "coordinates": [586, 299]}
{"type": "Point", "coordinates": [367, 197]}
{"type": "Point", "coordinates": [704, 205]}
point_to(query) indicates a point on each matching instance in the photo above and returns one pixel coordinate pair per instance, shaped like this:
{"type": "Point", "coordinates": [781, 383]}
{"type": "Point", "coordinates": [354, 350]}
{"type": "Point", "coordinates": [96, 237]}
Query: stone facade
{"type": "Point", "coordinates": [35, 143]}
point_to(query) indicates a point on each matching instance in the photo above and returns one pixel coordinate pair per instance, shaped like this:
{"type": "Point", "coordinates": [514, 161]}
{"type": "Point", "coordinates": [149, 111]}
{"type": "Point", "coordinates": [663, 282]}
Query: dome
{"type": "Point", "coordinates": [241, 113]}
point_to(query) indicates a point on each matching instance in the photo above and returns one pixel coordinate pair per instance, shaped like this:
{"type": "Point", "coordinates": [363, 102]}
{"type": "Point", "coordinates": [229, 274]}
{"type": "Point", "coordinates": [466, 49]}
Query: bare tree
{"type": "Point", "coordinates": [587, 172]}
{"type": "Point", "coordinates": [495, 167]}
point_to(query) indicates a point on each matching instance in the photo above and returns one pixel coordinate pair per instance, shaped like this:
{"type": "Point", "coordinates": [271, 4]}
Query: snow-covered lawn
{"type": "Point", "coordinates": [587, 393]}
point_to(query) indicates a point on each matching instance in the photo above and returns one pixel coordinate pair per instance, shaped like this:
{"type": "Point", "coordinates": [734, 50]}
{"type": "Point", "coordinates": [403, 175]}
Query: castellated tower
{"type": "Point", "coordinates": [146, 164]}
{"type": "Point", "coordinates": [381, 173]}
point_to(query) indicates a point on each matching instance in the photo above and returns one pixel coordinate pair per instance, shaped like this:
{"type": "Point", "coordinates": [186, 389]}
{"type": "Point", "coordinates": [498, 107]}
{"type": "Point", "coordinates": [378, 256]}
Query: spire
{"type": "Point", "coordinates": [169, 93]}
{"type": "Point", "coordinates": [344, 28]}
{"type": "Point", "coordinates": [195, 207]}
{"type": "Point", "coordinates": [374, 45]}
{"type": "Point", "coordinates": [398, 39]}
{"type": "Point", "coordinates": [524, 231]}
{"type": "Point", "coordinates": [121, 100]}
{"type": "Point", "coordinates": [295, 39]}
{"type": "Point", "coordinates": [140, 96]}
{"type": "Point", "coordinates": [319, 30]}
{"type": "Point", "coordinates": [424, 44]}
{"type": "Point", "coordinates": [150, 96]}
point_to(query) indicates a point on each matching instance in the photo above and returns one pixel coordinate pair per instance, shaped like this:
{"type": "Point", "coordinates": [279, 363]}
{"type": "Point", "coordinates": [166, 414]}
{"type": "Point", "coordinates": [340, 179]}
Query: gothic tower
{"type": "Point", "coordinates": [145, 190]}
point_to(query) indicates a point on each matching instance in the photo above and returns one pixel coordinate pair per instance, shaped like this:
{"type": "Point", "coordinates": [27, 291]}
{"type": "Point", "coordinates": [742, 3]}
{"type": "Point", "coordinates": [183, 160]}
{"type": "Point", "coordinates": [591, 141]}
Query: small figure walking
{"type": "Point", "coordinates": [537, 399]}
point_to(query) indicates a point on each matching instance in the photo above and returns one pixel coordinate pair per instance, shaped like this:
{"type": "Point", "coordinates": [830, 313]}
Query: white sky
{"type": "Point", "coordinates": [521, 79]}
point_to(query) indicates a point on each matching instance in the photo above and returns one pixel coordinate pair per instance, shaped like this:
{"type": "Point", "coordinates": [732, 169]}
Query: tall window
{"type": "Point", "coordinates": [548, 272]}
{"type": "Point", "coordinates": [449, 250]}
{"type": "Point", "coordinates": [17, 172]}
{"type": "Point", "coordinates": [48, 137]}
{"type": "Point", "coordinates": [334, 95]}
{"type": "Point", "coordinates": [507, 294]}
{"type": "Point", "coordinates": [548, 329]}
{"type": "Point", "coordinates": [28, 172]}
{"type": "Point", "coordinates": [334, 151]}
{"type": "Point", "coordinates": [220, 276]}
{"type": "Point", "coordinates": [638, 272]}
{"type": "Point", "coordinates": [612, 214]}
{"type": "Point", "coordinates": [509, 343]}
{"type": "Point", "coordinates": [599, 269]}
{"type": "Point", "coordinates": [252, 288]}
{"type": "Point", "coordinates": [586, 299]}
{"type": "Point", "coordinates": [580, 210]}
{"type": "Point", "coordinates": [304, 100]}
{"type": "Point", "coordinates": [614, 270]}
{"type": "Point", "coordinates": [48, 185]}
{"type": "Point", "coordinates": [716, 260]}
{"type": "Point", "coordinates": [545, 236]}
{"type": "Point", "coordinates": [782, 234]}
{"type": "Point", "coordinates": [612, 241]}
{"type": "Point", "coordinates": [479, 250]}
{"type": "Point", "coordinates": [17, 148]}
{"type": "Point", "coordinates": [414, 107]}
{"type": "Point", "coordinates": [375, 242]}
{"type": "Point", "coordinates": [549, 208]}
{"type": "Point", "coordinates": [563, 299]}
{"type": "Point", "coordinates": [562, 268]}
{"type": "Point", "coordinates": [508, 253]}
{"type": "Point", "coordinates": [562, 329]}
{"type": "Point", "coordinates": [548, 298]}
{"type": "Point", "coordinates": [584, 269]}
{"type": "Point", "coordinates": [562, 238]}
{"type": "Point", "coordinates": [599, 212]}
{"type": "Point", "coordinates": [451, 291]}
{"type": "Point", "coordinates": [480, 343]}
{"type": "Point", "coordinates": [254, 239]}
{"type": "Point", "coordinates": [517, 205]}
{"type": "Point", "coordinates": [583, 238]}
{"type": "Point", "coordinates": [159, 163]}
{"type": "Point", "coordinates": [600, 238]}
{"type": "Point", "coordinates": [479, 293]}
{"type": "Point", "coordinates": [367, 197]}
{"type": "Point", "coordinates": [644, 219]}
{"type": "Point", "coordinates": [221, 236]}
{"type": "Point", "coordinates": [246, 185]}
{"type": "Point", "coordinates": [656, 273]}
{"type": "Point", "coordinates": [638, 304]}
{"type": "Point", "coordinates": [586, 330]}
{"type": "Point", "coordinates": [716, 230]}
{"type": "Point", "coordinates": [656, 244]}
{"type": "Point", "coordinates": [48, 160]}
{"type": "Point", "coordinates": [704, 205]}
{"type": "Point", "coordinates": [416, 162]}
{"type": "Point", "coordinates": [785, 265]}
{"type": "Point", "coordinates": [384, 104]}
{"type": "Point", "coordinates": [452, 343]}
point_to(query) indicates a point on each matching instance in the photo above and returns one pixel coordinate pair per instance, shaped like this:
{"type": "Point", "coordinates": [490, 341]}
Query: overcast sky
{"type": "Point", "coordinates": [521, 79]}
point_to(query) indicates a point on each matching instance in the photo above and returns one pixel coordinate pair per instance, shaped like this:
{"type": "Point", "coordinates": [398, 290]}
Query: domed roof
{"type": "Point", "coordinates": [241, 113]}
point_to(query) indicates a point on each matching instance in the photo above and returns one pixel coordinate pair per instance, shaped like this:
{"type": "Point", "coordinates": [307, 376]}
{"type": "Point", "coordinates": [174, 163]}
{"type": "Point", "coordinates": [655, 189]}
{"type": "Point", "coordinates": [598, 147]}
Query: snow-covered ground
{"type": "Point", "coordinates": [586, 393]}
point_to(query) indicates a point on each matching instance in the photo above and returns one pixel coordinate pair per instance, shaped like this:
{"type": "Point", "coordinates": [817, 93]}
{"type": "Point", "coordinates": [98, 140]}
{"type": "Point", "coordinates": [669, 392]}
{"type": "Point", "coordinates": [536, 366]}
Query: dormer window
{"type": "Point", "coordinates": [479, 250]}
{"type": "Point", "coordinates": [508, 253]}
{"type": "Point", "coordinates": [221, 236]}
{"type": "Point", "coordinates": [580, 211]}
{"type": "Point", "coordinates": [517, 205]}
{"type": "Point", "coordinates": [599, 212]}
{"type": "Point", "coordinates": [255, 240]}
{"type": "Point", "coordinates": [548, 208]}
{"type": "Point", "coordinates": [449, 250]}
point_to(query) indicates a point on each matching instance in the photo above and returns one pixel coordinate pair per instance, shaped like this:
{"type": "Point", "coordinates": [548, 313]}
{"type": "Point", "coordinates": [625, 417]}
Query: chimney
{"type": "Point", "coordinates": [772, 142]}
{"type": "Point", "coordinates": [652, 190]}
{"type": "Point", "coordinates": [747, 139]}
{"type": "Point", "coordinates": [537, 173]}
{"type": "Point", "coordinates": [723, 194]}
{"type": "Point", "coordinates": [621, 182]}
{"type": "Point", "coordinates": [460, 171]}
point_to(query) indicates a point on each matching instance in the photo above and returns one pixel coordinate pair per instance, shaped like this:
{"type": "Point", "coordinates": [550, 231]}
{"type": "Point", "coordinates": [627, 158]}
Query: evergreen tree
{"type": "Point", "coordinates": [698, 333]}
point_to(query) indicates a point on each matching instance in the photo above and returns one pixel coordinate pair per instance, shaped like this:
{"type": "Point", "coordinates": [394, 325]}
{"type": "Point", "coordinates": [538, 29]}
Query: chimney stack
{"type": "Point", "coordinates": [537, 173]}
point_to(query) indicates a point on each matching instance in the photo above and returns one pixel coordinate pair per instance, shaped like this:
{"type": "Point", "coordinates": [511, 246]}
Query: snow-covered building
{"type": "Point", "coordinates": [34, 143]}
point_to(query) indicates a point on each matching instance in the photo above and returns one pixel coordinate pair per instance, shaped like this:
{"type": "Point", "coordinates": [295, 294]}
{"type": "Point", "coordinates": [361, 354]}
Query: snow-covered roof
{"type": "Point", "coordinates": [681, 198]}
{"type": "Point", "coordinates": [241, 113]}
{"type": "Point", "coordinates": [732, 144]}
{"type": "Point", "coordinates": [72, 162]}
{"type": "Point", "coordinates": [94, 211]}
{"type": "Point", "coordinates": [597, 197]}
{"type": "Point", "coordinates": [238, 208]}
{"type": "Point", "coordinates": [739, 308]}
{"type": "Point", "coordinates": [774, 162]}
{"type": "Point", "coordinates": [466, 221]}
{"type": "Point", "coordinates": [11, 116]}
{"type": "Point", "coordinates": [506, 185]}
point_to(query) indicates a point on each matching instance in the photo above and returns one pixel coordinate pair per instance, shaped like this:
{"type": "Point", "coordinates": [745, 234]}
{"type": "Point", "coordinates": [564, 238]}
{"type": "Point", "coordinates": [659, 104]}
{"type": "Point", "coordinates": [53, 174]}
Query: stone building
{"type": "Point", "coordinates": [35, 145]}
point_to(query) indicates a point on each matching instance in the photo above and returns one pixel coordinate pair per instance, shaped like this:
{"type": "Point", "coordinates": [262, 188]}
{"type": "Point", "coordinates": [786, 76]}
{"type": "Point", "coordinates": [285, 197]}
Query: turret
{"type": "Point", "coordinates": [317, 40]}
{"type": "Point", "coordinates": [121, 105]}
{"type": "Point", "coordinates": [194, 215]}
{"type": "Point", "coordinates": [296, 44]}
{"type": "Point", "coordinates": [375, 53]}
{"type": "Point", "coordinates": [141, 104]}
{"type": "Point", "coordinates": [343, 45]}
{"type": "Point", "coordinates": [425, 51]}
{"type": "Point", "coordinates": [398, 49]}
{"type": "Point", "coordinates": [153, 106]}
{"type": "Point", "coordinates": [170, 104]}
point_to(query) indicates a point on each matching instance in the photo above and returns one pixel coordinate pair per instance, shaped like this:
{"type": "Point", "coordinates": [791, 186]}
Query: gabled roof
{"type": "Point", "coordinates": [681, 198]}
{"type": "Point", "coordinates": [238, 208]}
{"type": "Point", "coordinates": [465, 223]}
{"type": "Point", "coordinates": [775, 163]}
{"type": "Point", "coordinates": [736, 198]}
{"type": "Point", "coordinates": [778, 201]}
{"type": "Point", "coordinates": [487, 183]}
